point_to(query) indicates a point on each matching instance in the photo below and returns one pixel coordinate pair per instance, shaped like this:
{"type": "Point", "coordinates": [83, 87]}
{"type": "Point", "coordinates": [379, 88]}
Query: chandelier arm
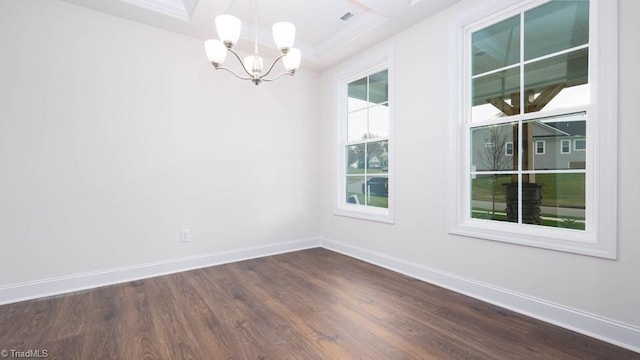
{"type": "Point", "coordinates": [272, 65]}
{"type": "Point", "coordinates": [290, 73]}
{"type": "Point", "coordinates": [241, 64]}
{"type": "Point", "coordinates": [233, 72]}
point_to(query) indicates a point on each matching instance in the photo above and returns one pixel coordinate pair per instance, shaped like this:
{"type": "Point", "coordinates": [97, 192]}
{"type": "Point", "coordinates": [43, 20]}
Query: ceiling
{"type": "Point", "coordinates": [321, 35]}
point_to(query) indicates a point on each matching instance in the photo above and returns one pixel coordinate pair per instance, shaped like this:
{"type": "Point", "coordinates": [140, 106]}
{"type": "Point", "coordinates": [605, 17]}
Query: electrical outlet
{"type": "Point", "coordinates": [185, 235]}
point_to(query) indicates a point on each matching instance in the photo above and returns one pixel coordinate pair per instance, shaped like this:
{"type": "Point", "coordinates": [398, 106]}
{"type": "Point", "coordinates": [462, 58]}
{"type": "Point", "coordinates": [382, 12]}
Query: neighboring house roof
{"type": "Point", "coordinates": [570, 128]}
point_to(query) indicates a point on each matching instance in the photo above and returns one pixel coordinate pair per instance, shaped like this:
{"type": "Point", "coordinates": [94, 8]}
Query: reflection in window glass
{"type": "Point", "coordinates": [487, 147]}
{"type": "Point", "coordinates": [355, 159]}
{"type": "Point", "coordinates": [357, 95]}
{"type": "Point", "coordinates": [354, 192]}
{"type": "Point", "coordinates": [379, 87]}
{"type": "Point", "coordinates": [555, 26]}
{"type": "Point", "coordinates": [378, 121]}
{"type": "Point", "coordinates": [529, 170]}
{"type": "Point", "coordinates": [508, 150]}
{"type": "Point", "coordinates": [377, 157]}
{"type": "Point", "coordinates": [357, 125]}
{"type": "Point", "coordinates": [552, 138]}
{"type": "Point", "coordinates": [546, 79]}
{"type": "Point", "coordinates": [377, 191]}
{"type": "Point", "coordinates": [563, 200]}
{"type": "Point", "coordinates": [367, 156]}
{"type": "Point", "coordinates": [488, 196]}
{"type": "Point", "coordinates": [496, 46]}
{"type": "Point", "coordinates": [496, 95]}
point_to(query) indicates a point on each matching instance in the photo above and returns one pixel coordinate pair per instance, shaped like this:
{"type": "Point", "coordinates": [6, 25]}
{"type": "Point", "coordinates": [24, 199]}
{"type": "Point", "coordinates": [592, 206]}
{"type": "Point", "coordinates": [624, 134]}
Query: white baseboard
{"type": "Point", "coordinates": [608, 330]}
{"type": "Point", "coordinates": [611, 331]}
{"type": "Point", "coordinates": [66, 284]}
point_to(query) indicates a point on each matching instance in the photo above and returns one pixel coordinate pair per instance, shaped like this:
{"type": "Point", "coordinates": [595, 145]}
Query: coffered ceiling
{"type": "Point", "coordinates": [324, 38]}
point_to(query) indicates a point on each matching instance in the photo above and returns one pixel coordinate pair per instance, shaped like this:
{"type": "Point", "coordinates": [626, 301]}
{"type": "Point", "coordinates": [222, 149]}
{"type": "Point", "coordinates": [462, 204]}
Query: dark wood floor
{"type": "Point", "coordinates": [312, 304]}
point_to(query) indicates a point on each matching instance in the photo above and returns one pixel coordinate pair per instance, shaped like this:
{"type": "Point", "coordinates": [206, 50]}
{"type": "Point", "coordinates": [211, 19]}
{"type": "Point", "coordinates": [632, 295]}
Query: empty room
{"type": "Point", "coordinates": [323, 179]}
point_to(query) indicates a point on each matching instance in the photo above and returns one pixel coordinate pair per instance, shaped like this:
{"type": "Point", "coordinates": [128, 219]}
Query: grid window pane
{"type": "Point", "coordinates": [488, 197]}
{"type": "Point", "coordinates": [496, 95]}
{"type": "Point", "coordinates": [378, 121]}
{"type": "Point", "coordinates": [355, 190]}
{"type": "Point", "coordinates": [563, 200]}
{"type": "Point", "coordinates": [547, 79]}
{"type": "Point", "coordinates": [555, 26]}
{"type": "Point", "coordinates": [357, 125]}
{"type": "Point", "coordinates": [377, 157]}
{"type": "Point", "coordinates": [379, 87]}
{"type": "Point", "coordinates": [355, 159]}
{"type": "Point", "coordinates": [496, 46]}
{"type": "Point", "coordinates": [357, 95]}
{"type": "Point", "coordinates": [488, 145]}
{"type": "Point", "coordinates": [377, 191]}
{"type": "Point", "coordinates": [367, 157]}
{"type": "Point", "coordinates": [552, 138]}
{"type": "Point", "coordinates": [529, 170]}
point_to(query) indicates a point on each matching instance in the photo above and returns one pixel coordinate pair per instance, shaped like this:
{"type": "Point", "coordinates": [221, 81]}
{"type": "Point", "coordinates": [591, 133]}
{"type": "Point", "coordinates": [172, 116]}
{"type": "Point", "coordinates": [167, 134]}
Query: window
{"type": "Point", "coordinates": [531, 77]}
{"type": "Point", "coordinates": [508, 148]}
{"type": "Point", "coordinates": [365, 177]}
{"type": "Point", "coordinates": [540, 147]}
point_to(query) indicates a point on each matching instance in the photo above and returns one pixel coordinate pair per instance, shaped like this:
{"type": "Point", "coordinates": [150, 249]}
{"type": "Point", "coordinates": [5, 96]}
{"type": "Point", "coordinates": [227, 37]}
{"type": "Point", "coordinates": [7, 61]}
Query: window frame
{"type": "Point", "coordinates": [562, 142]}
{"type": "Point", "coordinates": [600, 238]}
{"type": "Point", "coordinates": [575, 145]}
{"type": "Point", "coordinates": [375, 62]}
{"type": "Point", "coordinates": [506, 148]}
{"type": "Point", "coordinates": [544, 147]}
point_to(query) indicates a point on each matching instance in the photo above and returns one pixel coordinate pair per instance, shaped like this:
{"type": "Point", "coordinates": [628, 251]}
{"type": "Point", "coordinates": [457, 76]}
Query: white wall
{"type": "Point", "coordinates": [116, 135]}
{"type": "Point", "coordinates": [607, 288]}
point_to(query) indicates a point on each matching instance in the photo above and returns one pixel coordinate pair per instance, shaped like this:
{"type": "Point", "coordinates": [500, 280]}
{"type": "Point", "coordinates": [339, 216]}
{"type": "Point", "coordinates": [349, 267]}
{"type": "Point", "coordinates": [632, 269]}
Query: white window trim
{"type": "Point", "coordinates": [506, 148]}
{"type": "Point", "coordinates": [600, 238]}
{"type": "Point", "coordinates": [562, 142]}
{"type": "Point", "coordinates": [544, 147]}
{"type": "Point", "coordinates": [575, 147]}
{"type": "Point", "coordinates": [368, 64]}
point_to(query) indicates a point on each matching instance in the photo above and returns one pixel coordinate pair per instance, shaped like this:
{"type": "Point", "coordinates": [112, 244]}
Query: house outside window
{"type": "Point", "coordinates": [365, 184]}
{"type": "Point", "coordinates": [508, 148]}
{"type": "Point", "coordinates": [528, 79]}
{"type": "Point", "coordinates": [565, 146]}
{"type": "Point", "coordinates": [540, 147]}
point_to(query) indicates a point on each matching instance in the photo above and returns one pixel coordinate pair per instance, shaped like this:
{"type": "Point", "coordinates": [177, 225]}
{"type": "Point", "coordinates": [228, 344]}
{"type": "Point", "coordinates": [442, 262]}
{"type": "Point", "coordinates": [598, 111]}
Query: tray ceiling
{"type": "Point", "coordinates": [324, 38]}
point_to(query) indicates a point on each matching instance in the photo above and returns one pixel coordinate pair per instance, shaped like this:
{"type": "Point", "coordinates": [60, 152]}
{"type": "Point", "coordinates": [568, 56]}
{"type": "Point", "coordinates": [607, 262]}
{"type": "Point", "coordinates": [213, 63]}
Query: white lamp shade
{"type": "Point", "coordinates": [291, 61]}
{"type": "Point", "coordinates": [228, 27]}
{"type": "Point", "coordinates": [284, 34]}
{"type": "Point", "coordinates": [216, 51]}
{"type": "Point", "coordinates": [253, 64]}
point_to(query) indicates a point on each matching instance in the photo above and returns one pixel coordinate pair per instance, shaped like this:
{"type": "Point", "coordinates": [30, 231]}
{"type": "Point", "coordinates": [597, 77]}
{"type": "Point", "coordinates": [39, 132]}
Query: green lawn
{"type": "Point", "coordinates": [377, 201]}
{"type": "Point", "coordinates": [563, 190]}
{"type": "Point", "coordinates": [566, 222]}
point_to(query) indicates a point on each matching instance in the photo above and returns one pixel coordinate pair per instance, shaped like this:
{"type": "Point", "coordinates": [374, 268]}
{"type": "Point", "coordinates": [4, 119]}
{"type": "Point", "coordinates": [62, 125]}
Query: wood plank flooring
{"type": "Point", "coordinates": [311, 304]}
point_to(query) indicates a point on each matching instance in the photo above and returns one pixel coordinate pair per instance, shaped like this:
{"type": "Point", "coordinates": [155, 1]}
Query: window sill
{"type": "Point", "coordinates": [371, 214]}
{"type": "Point", "coordinates": [565, 240]}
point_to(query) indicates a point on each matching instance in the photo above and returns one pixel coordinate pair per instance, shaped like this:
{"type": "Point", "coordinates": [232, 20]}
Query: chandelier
{"type": "Point", "coordinates": [228, 28]}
